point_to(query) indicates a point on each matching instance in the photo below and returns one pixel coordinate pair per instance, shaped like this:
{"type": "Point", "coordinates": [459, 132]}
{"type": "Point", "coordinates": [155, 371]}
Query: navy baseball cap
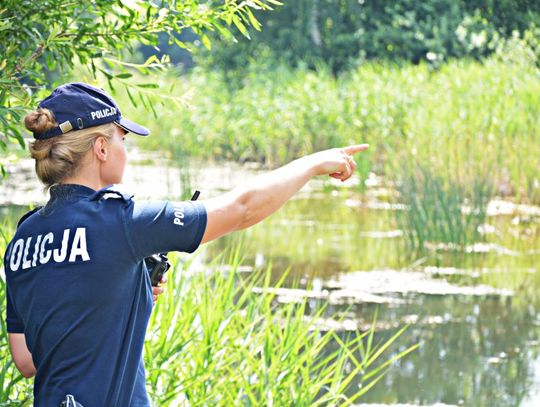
{"type": "Point", "coordinates": [79, 106]}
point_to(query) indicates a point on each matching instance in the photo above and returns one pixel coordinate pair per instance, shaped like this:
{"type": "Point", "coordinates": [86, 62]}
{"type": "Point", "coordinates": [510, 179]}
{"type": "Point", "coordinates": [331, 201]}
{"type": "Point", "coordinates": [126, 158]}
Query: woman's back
{"type": "Point", "coordinates": [80, 292]}
{"type": "Point", "coordinates": [81, 298]}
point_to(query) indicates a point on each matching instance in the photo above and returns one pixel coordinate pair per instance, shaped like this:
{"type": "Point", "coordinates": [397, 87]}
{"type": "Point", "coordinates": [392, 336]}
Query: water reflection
{"type": "Point", "coordinates": [483, 354]}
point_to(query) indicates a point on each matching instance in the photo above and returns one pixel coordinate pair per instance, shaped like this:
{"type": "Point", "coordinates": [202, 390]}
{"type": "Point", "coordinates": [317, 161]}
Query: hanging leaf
{"type": "Point", "coordinates": [253, 20]}
{"type": "Point", "coordinates": [241, 27]}
{"type": "Point", "coordinates": [124, 75]}
{"type": "Point", "coordinates": [148, 85]}
{"type": "Point", "coordinates": [206, 42]}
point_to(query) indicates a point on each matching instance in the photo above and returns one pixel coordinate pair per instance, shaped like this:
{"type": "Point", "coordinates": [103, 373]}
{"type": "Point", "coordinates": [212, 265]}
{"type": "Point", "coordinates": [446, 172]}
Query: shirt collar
{"type": "Point", "coordinates": [68, 191]}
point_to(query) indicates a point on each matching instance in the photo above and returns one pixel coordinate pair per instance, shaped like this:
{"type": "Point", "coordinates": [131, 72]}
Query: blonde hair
{"type": "Point", "coordinates": [60, 156]}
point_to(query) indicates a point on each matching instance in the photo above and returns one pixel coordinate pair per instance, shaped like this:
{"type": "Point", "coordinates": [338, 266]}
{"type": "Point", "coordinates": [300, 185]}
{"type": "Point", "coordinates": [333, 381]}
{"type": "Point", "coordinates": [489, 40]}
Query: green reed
{"type": "Point", "coordinates": [459, 119]}
{"type": "Point", "coordinates": [212, 341]}
{"type": "Point", "coordinates": [440, 209]}
{"type": "Point", "coordinates": [14, 389]}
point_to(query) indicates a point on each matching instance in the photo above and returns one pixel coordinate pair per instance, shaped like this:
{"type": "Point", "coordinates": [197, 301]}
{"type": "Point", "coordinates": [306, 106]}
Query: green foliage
{"type": "Point", "coordinates": [457, 120]}
{"type": "Point", "coordinates": [213, 341]}
{"type": "Point", "coordinates": [439, 209]}
{"type": "Point", "coordinates": [345, 33]}
{"type": "Point", "coordinates": [15, 390]}
{"type": "Point", "coordinates": [39, 37]}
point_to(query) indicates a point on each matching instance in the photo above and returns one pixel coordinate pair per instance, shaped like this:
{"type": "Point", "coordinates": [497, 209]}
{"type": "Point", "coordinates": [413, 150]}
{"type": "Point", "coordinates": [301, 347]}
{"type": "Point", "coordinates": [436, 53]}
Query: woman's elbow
{"type": "Point", "coordinates": [21, 356]}
{"type": "Point", "coordinates": [29, 373]}
{"type": "Point", "coordinates": [27, 370]}
{"type": "Point", "coordinates": [245, 215]}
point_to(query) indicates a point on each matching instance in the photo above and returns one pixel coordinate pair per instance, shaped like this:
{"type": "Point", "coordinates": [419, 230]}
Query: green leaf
{"type": "Point", "coordinates": [131, 97]}
{"type": "Point", "coordinates": [241, 27]}
{"type": "Point", "coordinates": [53, 34]}
{"type": "Point", "coordinates": [107, 74]}
{"type": "Point", "coordinates": [151, 59]}
{"type": "Point", "coordinates": [225, 33]}
{"type": "Point", "coordinates": [181, 44]}
{"type": "Point", "coordinates": [206, 42]}
{"type": "Point", "coordinates": [18, 136]}
{"type": "Point", "coordinates": [254, 22]}
{"type": "Point", "coordinates": [148, 85]}
{"type": "Point", "coordinates": [124, 75]}
{"type": "Point", "coordinates": [5, 25]}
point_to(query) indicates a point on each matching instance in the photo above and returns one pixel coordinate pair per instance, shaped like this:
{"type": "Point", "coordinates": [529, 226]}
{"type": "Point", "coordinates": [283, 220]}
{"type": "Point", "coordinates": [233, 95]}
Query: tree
{"type": "Point", "coordinates": [37, 37]}
{"type": "Point", "coordinates": [343, 34]}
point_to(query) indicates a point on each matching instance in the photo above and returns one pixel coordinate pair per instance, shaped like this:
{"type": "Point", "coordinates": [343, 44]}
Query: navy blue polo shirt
{"type": "Point", "coordinates": [78, 289]}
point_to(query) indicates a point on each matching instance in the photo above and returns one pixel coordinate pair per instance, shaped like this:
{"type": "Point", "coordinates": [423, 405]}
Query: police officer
{"type": "Point", "coordinates": [78, 294]}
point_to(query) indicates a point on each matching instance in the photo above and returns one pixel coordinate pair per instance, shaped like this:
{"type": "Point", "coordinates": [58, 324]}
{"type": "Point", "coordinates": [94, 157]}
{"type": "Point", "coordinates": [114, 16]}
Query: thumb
{"type": "Point", "coordinates": [356, 148]}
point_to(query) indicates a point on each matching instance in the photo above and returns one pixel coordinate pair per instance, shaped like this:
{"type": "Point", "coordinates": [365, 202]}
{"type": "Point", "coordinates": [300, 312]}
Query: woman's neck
{"type": "Point", "coordinates": [89, 175]}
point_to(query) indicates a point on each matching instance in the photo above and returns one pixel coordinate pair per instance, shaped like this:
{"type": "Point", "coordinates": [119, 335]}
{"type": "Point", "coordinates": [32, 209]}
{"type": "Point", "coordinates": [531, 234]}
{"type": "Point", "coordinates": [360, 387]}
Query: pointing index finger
{"type": "Point", "coordinates": [356, 148]}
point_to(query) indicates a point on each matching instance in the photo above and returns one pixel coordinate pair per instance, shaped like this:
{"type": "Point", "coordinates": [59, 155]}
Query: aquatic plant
{"type": "Point", "coordinates": [214, 341]}
{"type": "Point", "coordinates": [441, 209]}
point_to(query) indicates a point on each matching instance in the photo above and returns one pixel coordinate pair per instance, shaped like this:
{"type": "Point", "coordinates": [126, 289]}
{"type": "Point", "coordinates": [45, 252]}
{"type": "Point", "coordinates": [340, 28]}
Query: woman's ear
{"type": "Point", "coordinates": [101, 148]}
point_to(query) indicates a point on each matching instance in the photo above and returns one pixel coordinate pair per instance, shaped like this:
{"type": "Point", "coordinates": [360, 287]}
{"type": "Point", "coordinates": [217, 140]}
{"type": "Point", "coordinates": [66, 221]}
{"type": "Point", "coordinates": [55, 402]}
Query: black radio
{"type": "Point", "coordinates": [157, 265]}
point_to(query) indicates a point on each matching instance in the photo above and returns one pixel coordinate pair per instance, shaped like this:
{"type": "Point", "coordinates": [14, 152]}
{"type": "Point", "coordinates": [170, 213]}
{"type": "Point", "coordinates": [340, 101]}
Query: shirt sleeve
{"type": "Point", "coordinates": [163, 226]}
{"type": "Point", "coordinates": [13, 321]}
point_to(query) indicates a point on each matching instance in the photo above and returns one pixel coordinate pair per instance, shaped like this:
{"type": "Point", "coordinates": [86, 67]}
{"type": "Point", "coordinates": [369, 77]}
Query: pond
{"type": "Point", "coordinates": [474, 311]}
{"type": "Point", "coordinates": [475, 315]}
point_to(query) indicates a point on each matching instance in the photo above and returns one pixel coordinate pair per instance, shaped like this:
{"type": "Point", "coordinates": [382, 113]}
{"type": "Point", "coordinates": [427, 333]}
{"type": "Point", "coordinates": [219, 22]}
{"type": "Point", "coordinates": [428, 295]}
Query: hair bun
{"type": "Point", "coordinates": [40, 120]}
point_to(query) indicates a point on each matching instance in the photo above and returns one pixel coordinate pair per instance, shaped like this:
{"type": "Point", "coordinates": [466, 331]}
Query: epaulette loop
{"type": "Point", "coordinates": [112, 192]}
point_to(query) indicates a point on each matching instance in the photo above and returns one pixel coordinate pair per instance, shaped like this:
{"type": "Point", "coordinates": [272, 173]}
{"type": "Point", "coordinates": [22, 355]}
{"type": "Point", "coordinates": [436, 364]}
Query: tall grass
{"type": "Point", "coordinates": [458, 120]}
{"type": "Point", "coordinates": [441, 210]}
{"type": "Point", "coordinates": [212, 341]}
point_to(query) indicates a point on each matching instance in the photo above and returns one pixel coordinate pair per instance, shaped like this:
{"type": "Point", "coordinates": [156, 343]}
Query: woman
{"type": "Point", "coordinates": [78, 293]}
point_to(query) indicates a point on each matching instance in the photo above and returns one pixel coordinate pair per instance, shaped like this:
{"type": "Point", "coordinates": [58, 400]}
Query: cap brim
{"type": "Point", "coordinates": [132, 127]}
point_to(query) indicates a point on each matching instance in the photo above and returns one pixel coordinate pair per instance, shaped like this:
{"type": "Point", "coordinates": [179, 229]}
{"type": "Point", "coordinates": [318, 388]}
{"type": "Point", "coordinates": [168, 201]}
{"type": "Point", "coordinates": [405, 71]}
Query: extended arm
{"type": "Point", "coordinates": [255, 200]}
{"type": "Point", "coordinates": [21, 355]}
